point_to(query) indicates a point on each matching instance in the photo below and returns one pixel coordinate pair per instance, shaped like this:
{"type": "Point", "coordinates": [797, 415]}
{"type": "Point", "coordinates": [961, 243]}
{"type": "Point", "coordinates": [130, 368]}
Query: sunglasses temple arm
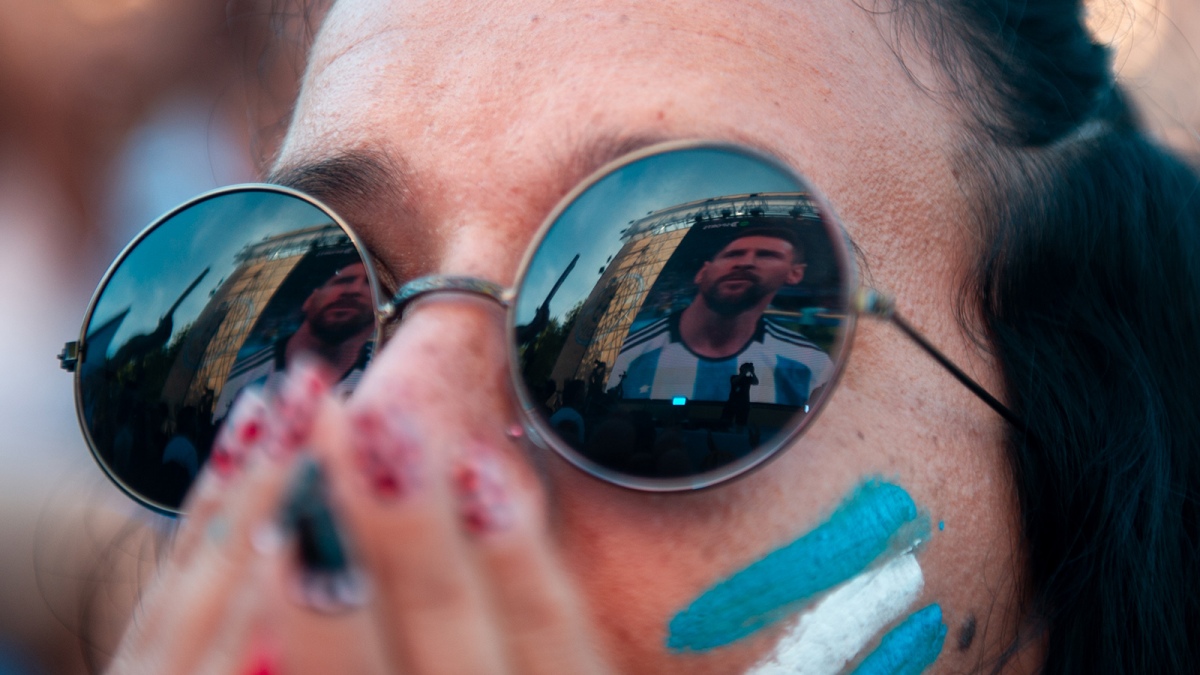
{"type": "Point", "coordinates": [958, 374]}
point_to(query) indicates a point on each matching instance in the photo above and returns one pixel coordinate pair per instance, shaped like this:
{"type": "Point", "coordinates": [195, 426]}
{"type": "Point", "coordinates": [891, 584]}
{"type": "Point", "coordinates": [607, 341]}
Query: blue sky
{"type": "Point", "coordinates": [174, 253]}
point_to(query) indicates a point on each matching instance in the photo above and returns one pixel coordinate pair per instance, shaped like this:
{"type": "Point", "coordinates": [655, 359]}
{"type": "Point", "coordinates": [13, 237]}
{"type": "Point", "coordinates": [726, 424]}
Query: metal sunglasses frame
{"type": "Point", "coordinates": [857, 299]}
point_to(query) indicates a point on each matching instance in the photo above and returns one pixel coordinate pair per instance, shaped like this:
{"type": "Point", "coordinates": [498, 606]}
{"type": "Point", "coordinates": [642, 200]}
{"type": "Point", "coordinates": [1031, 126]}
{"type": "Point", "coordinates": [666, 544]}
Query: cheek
{"type": "Point", "coordinates": [649, 573]}
{"type": "Point", "coordinates": [865, 553]}
{"type": "Point", "coordinates": [639, 558]}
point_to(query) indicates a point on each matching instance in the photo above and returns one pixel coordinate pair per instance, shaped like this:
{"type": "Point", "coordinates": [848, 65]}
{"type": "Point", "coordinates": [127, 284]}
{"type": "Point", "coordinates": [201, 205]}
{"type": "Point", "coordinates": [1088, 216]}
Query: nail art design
{"type": "Point", "coordinates": [217, 530]}
{"type": "Point", "coordinates": [327, 580]}
{"type": "Point", "coordinates": [296, 403]}
{"type": "Point", "coordinates": [245, 429]}
{"type": "Point", "coordinates": [263, 658]}
{"type": "Point", "coordinates": [482, 489]}
{"type": "Point", "coordinates": [387, 456]}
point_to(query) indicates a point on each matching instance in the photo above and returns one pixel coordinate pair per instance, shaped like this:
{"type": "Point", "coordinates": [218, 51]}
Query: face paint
{"type": "Point", "coordinates": [876, 518]}
{"type": "Point", "coordinates": [832, 633]}
{"type": "Point", "coordinates": [908, 649]}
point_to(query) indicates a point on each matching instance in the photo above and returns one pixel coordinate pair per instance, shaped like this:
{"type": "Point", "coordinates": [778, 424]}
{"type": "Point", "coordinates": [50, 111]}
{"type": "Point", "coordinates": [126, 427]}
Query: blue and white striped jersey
{"type": "Point", "coordinates": [266, 368]}
{"type": "Point", "coordinates": [658, 365]}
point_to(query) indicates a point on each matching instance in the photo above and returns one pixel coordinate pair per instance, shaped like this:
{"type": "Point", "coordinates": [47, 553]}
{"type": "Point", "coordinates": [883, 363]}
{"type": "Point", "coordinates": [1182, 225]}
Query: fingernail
{"type": "Point", "coordinates": [327, 580]}
{"type": "Point", "coordinates": [296, 403]}
{"type": "Point", "coordinates": [480, 483]}
{"type": "Point", "coordinates": [244, 429]}
{"type": "Point", "coordinates": [387, 455]}
{"type": "Point", "coordinates": [263, 658]}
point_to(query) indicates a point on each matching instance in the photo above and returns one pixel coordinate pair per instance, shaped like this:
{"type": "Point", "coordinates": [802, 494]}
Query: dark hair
{"type": "Point", "coordinates": [782, 232]}
{"type": "Point", "coordinates": [331, 267]}
{"type": "Point", "coordinates": [1087, 289]}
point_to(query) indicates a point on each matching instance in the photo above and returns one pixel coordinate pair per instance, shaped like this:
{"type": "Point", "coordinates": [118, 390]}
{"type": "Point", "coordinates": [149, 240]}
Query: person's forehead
{"type": "Point", "coordinates": [519, 101]}
{"type": "Point", "coordinates": [480, 80]}
{"type": "Point", "coordinates": [500, 58]}
{"type": "Point", "coordinates": [758, 241]}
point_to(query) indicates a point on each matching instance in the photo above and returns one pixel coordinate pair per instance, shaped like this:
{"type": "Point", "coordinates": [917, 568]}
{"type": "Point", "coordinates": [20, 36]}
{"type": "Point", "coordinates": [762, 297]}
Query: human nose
{"type": "Point", "coordinates": [445, 373]}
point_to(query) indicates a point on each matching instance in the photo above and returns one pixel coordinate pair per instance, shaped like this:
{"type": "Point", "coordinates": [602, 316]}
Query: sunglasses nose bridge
{"type": "Point", "coordinates": [427, 285]}
{"type": "Point", "coordinates": [446, 369]}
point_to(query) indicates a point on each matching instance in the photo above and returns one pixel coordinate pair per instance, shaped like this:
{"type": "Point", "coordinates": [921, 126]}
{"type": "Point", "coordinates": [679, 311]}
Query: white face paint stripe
{"type": "Point", "coordinates": [833, 632]}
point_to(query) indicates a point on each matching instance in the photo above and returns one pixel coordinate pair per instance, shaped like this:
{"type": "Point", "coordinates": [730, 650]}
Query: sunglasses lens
{"type": "Point", "coordinates": [214, 298]}
{"type": "Point", "coordinates": [683, 317]}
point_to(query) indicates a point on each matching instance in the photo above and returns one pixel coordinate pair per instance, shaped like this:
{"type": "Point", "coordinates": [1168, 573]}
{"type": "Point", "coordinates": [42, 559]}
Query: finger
{"type": "Point", "coordinates": [255, 426]}
{"type": "Point", "coordinates": [531, 596]}
{"type": "Point", "coordinates": [325, 620]}
{"type": "Point", "coordinates": [245, 432]}
{"type": "Point", "coordinates": [184, 610]}
{"type": "Point", "coordinates": [400, 511]}
{"type": "Point", "coordinates": [219, 543]}
{"type": "Point", "coordinates": [220, 566]}
{"type": "Point", "coordinates": [246, 641]}
{"type": "Point", "coordinates": [270, 629]}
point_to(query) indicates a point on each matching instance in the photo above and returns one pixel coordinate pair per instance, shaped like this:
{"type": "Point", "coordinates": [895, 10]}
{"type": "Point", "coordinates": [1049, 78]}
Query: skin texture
{"type": "Point", "coordinates": [484, 115]}
{"type": "Point", "coordinates": [484, 107]}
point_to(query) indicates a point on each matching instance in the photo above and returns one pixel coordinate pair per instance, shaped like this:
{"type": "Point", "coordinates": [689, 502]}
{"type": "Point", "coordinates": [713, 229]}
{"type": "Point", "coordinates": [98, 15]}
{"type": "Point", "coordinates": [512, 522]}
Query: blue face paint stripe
{"type": "Point", "coordinates": [910, 648]}
{"type": "Point", "coordinates": [863, 527]}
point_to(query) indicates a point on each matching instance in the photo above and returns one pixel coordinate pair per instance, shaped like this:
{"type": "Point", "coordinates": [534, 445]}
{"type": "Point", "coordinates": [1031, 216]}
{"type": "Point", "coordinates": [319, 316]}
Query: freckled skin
{"type": "Point", "coordinates": [857, 535]}
{"type": "Point", "coordinates": [482, 106]}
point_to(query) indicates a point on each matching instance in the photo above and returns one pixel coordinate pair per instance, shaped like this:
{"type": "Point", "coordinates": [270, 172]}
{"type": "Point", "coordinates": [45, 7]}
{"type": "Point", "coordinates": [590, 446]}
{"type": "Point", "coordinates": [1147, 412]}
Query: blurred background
{"type": "Point", "coordinates": [113, 112]}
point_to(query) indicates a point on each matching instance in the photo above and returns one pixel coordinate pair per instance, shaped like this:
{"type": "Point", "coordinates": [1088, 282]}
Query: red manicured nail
{"type": "Point", "coordinates": [482, 489]}
{"type": "Point", "coordinates": [262, 664]}
{"type": "Point", "coordinates": [262, 660]}
{"type": "Point", "coordinates": [295, 405]}
{"type": "Point", "coordinates": [386, 453]}
{"type": "Point", "coordinates": [245, 429]}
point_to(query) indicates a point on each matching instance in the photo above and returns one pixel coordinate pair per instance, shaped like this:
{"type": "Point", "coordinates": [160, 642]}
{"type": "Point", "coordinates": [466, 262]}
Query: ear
{"type": "Point", "coordinates": [700, 273]}
{"type": "Point", "coordinates": [796, 274]}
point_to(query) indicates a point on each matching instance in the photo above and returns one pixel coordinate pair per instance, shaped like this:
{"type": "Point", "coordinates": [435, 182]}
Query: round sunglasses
{"type": "Point", "coordinates": [681, 316]}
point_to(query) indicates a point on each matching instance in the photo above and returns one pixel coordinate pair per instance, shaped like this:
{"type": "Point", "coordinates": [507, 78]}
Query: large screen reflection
{"type": "Point", "coordinates": [163, 363]}
{"type": "Point", "coordinates": [709, 329]}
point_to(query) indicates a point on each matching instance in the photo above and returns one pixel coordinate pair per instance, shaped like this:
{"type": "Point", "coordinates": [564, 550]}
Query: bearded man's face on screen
{"type": "Point", "coordinates": [341, 307]}
{"type": "Point", "coordinates": [746, 271]}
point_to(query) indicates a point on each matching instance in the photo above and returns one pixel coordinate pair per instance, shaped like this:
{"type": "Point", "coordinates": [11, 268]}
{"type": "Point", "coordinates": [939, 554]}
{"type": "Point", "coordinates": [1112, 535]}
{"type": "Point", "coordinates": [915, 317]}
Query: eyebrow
{"type": "Point", "coordinates": [590, 155]}
{"type": "Point", "coordinates": [351, 181]}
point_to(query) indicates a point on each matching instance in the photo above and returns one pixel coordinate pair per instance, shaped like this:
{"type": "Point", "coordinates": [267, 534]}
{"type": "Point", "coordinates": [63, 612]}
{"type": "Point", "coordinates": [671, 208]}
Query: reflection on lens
{"type": "Point", "coordinates": [682, 316]}
{"type": "Point", "coordinates": [219, 296]}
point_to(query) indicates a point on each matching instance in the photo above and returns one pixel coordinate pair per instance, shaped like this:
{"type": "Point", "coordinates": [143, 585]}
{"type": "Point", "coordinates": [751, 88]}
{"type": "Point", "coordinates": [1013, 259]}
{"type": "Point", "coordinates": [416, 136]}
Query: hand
{"type": "Point", "coordinates": [438, 561]}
